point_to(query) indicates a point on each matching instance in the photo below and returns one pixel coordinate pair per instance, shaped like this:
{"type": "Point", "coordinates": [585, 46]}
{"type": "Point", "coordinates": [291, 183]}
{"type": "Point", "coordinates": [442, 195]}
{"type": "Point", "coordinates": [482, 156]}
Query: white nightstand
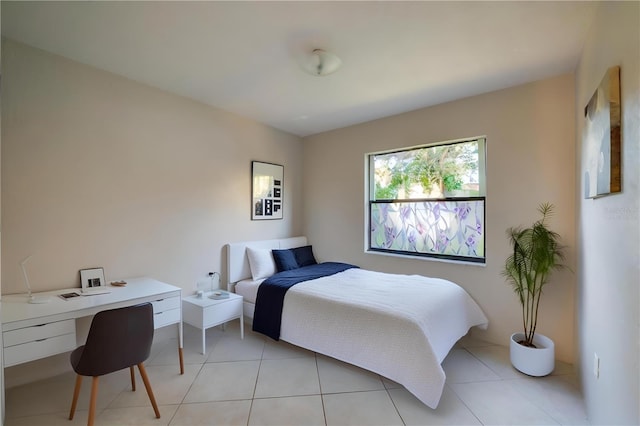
{"type": "Point", "coordinates": [205, 313]}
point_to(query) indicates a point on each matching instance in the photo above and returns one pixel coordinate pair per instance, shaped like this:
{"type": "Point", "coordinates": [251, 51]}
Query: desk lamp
{"type": "Point", "coordinates": [32, 299]}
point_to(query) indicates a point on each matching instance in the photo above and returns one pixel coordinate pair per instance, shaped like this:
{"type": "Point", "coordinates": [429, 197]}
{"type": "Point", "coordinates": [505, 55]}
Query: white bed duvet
{"type": "Point", "coordinates": [385, 323]}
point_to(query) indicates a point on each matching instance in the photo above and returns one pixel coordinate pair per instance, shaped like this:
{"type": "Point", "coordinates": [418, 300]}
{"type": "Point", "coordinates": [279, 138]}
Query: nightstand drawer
{"type": "Point", "coordinates": [38, 332]}
{"type": "Point", "coordinates": [37, 349]}
{"type": "Point", "coordinates": [222, 312]}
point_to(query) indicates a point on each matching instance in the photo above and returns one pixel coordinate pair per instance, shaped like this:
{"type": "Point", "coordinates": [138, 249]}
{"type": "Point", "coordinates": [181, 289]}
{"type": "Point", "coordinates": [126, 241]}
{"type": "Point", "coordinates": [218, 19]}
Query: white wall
{"type": "Point", "coordinates": [98, 170]}
{"type": "Point", "coordinates": [608, 231]}
{"type": "Point", "coordinates": [530, 160]}
{"type": "Point", "coordinates": [1, 343]}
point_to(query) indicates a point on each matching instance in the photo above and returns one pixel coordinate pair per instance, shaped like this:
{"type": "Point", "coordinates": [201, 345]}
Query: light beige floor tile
{"type": "Point", "coordinates": [232, 348]}
{"type": "Point", "coordinates": [224, 381]}
{"type": "Point", "coordinates": [287, 411]}
{"type": "Point", "coordinates": [55, 394]}
{"type": "Point", "coordinates": [287, 377]}
{"type": "Point", "coordinates": [160, 342]}
{"type": "Point", "coordinates": [499, 403]}
{"type": "Point", "coordinates": [192, 350]}
{"type": "Point", "coordinates": [469, 341]}
{"type": "Point", "coordinates": [562, 368]}
{"type": "Point", "coordinates": [220, 392]}
{"type": "Point", "coordinates": [165, 353]}
{"type": "Point", "coordinates": [556, 395]}
{"type": "Point", "coordinates": [233, 327]}
{"type": "Point", "coordinates": [282, 350]}
{"type": "Point", "coordinates": [450, 410]}
{"type": "Point", "coordinates": [212, 414]}
{"type": "Point", "coordinates": [54, 419]}
{"type": "Point", "coordinates": [462, 367]}
{"type": "Point", "coordinates": [497, 359]}
{"type": "Point", "coordinates": [168, 385]}
{"type": "Point", "coordinates": [360, 409]}
{"type": "Point", "coordinates": [109, 388]}
{"type": "Point", "coordinates": [135, 416]}
{"type": "Point", "coordinates": [229, 329]}
{"type": "Point", "coordinates": [390, 384]}
{"type": "Point", "coordinates": [572, 378]}
{"type": "Point", "coordinates": [42, 397]}
{"type": "Point", "coordinates": [337, 376]}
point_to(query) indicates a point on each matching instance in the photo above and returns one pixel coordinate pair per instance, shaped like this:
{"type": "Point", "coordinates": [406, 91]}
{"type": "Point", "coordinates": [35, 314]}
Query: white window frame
{"type": "Point", "coordinates": [369, 191]}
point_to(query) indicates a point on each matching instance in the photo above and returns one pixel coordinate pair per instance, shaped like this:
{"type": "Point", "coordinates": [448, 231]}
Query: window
{"type": "Point", "coordinates": [429, 201]}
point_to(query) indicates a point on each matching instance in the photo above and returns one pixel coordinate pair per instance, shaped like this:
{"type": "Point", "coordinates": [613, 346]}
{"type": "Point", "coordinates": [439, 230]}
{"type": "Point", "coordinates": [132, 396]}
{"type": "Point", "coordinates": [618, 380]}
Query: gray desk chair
{"type": "Point", "coordinates": [118, 339]}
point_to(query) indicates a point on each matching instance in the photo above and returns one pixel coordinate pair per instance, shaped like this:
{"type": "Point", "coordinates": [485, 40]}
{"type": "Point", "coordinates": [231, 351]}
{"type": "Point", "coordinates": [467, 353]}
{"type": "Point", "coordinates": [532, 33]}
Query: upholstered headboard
{"type": "Point", "coordinates": [238, 263]}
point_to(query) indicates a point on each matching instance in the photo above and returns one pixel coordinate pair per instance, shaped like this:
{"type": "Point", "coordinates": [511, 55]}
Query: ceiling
{"type": "Point", "coordinates": [242, 56]}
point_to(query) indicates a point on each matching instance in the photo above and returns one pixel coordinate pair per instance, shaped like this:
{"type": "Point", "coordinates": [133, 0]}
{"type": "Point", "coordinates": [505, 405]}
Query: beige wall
{"type": "Point", "coordinates": [1, 342]}
{"type": "Point", "coordinates": [98, 170]}
{"type": "Point", "coordinates": [609, 230]}
{"type": "Point", "coordinates": [530, 159]}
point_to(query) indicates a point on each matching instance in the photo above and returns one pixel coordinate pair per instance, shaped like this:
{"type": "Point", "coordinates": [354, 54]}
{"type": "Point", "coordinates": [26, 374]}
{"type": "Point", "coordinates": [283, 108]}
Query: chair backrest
{"type": "Point", "coordinates": [118, 338]}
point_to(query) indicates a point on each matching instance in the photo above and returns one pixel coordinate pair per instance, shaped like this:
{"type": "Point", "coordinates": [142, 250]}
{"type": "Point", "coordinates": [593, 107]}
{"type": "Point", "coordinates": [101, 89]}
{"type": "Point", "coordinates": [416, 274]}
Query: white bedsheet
{"type": "Point", "coordinates": [248, 289]}
{"type": "Point", "coordinates": [399, 326]}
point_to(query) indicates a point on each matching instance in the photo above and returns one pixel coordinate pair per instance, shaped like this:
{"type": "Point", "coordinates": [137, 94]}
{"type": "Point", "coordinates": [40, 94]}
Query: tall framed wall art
{"type": "Point", "coordinates": [601, 138]}
{"type": "Point", "coordinates": [267, 185]}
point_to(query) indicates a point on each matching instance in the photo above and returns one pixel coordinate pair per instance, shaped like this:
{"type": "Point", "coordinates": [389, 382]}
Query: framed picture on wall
{"type": "Point", "coordinates": [601, 135]}
{"type": "Point", "coordinates": [267, 190]}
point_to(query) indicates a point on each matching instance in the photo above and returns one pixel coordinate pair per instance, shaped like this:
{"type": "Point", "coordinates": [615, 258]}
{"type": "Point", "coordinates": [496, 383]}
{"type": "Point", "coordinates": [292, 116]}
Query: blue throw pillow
{"type": "Point", "coordinates": [304, 256]}
{"type": "Point", "coordinates": [285, 260]}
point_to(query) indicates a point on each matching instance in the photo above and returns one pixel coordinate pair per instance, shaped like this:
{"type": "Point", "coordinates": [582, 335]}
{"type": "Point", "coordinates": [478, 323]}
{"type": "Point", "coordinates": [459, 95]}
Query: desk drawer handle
{"type": "Point", "coordinates": [41, 340]}
{"type": "Point", "coordinates": [159, 300]}
{"type": "Point", "coordinates": [158, 313]}
{"type": "Point", "coordinates": [41, 325]}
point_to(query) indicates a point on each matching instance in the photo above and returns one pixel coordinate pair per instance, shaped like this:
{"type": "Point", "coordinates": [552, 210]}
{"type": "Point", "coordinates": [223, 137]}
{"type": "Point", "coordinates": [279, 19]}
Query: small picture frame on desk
{"type": "Point", "coordinates": [92, 280]}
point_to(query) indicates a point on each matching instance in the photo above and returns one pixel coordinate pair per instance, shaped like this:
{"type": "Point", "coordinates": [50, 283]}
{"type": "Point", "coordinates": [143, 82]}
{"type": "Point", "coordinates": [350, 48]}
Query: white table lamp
{"type": "Point", "coordinates": [32, 298]}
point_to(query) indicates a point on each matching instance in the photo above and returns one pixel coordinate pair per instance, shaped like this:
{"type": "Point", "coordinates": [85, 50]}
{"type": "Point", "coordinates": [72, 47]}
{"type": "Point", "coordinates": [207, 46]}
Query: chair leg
{"type": "Point", "coordinates": [147, 386]}
{"type": "Point", "coordinates": [76, 393]}
{"type": "Point", "coordinates": [92, 402]}
{"type": "Point", "coordinates": [133, 379]}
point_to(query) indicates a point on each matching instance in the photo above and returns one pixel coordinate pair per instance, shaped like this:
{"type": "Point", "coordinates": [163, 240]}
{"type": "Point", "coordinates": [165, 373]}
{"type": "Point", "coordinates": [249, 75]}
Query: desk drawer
{"type": "Point", "coordinates": [30, 351]}
{"type": "Point", "coordinates": [38, 332]}
{"type": "Point", "coordinates": [160, 319]}
{"type": "Point", "coordinates": [165, 304]}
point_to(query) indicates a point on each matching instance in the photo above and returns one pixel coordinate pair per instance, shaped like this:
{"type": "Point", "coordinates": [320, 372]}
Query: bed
{"type": "Point", "coordinates": [399, 326]}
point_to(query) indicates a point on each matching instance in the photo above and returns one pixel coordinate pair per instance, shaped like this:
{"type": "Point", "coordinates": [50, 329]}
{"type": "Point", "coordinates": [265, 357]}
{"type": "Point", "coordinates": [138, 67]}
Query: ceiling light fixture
{"type": "Point", "coordinates": [320, 63]}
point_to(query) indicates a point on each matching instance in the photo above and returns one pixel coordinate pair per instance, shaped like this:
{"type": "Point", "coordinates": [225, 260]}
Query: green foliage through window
{"type": "Point", "coordinates": [428, 172]}
{"type": "Point", "coordinates": [429, 201]}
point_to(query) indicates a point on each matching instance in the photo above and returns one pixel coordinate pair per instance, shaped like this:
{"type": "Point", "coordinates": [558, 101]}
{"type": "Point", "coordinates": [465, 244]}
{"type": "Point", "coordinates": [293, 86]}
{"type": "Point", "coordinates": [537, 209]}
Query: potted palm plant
{"type": "Point", "coordinates": [536, 253]}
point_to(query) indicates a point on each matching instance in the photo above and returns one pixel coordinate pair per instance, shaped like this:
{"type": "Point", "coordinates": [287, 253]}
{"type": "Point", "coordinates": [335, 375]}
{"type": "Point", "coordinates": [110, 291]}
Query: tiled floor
{"type": "Point", "coordinates": [257, 381]}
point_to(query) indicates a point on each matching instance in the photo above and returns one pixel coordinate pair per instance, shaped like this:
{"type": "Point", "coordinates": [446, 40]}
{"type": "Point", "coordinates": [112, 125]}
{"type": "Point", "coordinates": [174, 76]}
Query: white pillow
{"type": "Point", "coordinates": [261, 263]}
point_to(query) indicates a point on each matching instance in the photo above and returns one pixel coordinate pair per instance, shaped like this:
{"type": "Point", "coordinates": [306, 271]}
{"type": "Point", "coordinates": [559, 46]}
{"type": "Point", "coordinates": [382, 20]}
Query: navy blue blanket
{"type": "Point", "coordinates": [270, 299]}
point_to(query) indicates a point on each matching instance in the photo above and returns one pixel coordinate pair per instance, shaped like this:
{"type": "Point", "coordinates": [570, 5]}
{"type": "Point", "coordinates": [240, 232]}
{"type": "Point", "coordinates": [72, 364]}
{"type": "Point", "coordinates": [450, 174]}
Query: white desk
{"type": "Point", "coordinates": [34, 331]}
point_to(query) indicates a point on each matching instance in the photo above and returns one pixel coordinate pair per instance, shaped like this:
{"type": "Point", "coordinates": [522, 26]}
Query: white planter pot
{"type": "Point", "coordinates": [538, 361]}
